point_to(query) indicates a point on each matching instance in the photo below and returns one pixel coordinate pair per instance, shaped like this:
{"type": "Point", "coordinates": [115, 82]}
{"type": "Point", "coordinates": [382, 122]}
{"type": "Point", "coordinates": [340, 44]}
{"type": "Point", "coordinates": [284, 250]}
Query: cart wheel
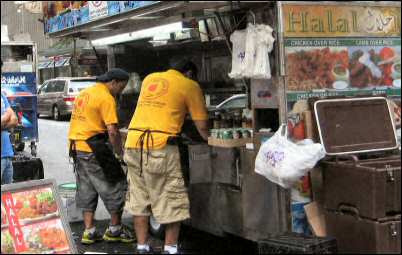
{"type": "Point", "coordinates": [33, 149]}
{"type": "Point", "coordinates": [20, 146]}
{"type": "Point", "coordinates": [156, 229]}
{"type": "Point", "coordinates": [56, 113]}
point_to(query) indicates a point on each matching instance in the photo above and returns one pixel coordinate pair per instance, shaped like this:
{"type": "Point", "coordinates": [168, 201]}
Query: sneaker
{"type": "Point", "coordinates": [178, 250]}
{"type": "Point", "coordinates": [90, 238]}
{"type": "Point", "coordinates": [124, 235]}
{"type": "Point", "coordinates": [144, 251]}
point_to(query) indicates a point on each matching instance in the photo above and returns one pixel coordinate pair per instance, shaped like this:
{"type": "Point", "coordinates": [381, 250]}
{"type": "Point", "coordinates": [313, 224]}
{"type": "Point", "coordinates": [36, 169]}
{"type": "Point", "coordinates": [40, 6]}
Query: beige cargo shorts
{"type": "Point", "coordinates": [160, 189]}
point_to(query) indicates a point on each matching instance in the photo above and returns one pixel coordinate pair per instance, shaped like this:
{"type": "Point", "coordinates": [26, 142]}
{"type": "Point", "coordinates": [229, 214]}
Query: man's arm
{"type": "Point", "coordinates": [9, 119]}
{"type": "Point", "coordinates": [202, 127]}
{"type": "Point", "coordinates": [115, 139]}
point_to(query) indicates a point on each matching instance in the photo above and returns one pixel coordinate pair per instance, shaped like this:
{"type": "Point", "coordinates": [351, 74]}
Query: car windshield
{"type": "Point", "coordinates": [239, 102]}
{"type": "Point", "coordinates": [78, 85]}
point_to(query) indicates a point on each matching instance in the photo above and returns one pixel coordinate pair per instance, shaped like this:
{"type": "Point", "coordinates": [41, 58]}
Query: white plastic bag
{"type": "Point", "coordinates": [284, 162]}
{"type": "Point", "coordinates": [238, 39]}
{"type": "Point", "coordinates": [251, 48]}
{"type": "Point", "coordinates": [265, 42]}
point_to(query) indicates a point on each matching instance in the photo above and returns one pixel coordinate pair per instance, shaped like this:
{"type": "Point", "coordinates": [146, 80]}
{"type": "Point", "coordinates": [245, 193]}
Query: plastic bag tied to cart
{"type": "Point", "coordinates": [284, 162]}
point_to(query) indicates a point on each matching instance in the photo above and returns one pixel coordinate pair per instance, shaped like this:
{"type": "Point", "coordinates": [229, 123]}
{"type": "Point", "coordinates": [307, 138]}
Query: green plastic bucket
{"type": "Point", "coordinates": [67, 190]}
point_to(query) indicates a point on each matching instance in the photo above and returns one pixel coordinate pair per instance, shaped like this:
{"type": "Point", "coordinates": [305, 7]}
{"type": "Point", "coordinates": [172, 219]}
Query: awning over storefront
{"type": "Point", "coordinates": [61, 61]}
{"type": "Point", "coordinates": [155, 14]}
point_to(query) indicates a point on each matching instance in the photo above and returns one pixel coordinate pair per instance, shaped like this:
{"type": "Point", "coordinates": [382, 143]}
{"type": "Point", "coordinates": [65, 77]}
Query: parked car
{"type": "Point", "coordinates": [233, 102]}
{"type": "Point", "coordinates": [56, 96]}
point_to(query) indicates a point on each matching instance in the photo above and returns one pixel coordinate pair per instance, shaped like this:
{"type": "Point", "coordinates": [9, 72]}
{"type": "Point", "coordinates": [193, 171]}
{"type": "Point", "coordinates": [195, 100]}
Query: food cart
{"type": "Point", "coordinates": [19, 82]}
{"type": "Point", "coordinates": [321, 50]}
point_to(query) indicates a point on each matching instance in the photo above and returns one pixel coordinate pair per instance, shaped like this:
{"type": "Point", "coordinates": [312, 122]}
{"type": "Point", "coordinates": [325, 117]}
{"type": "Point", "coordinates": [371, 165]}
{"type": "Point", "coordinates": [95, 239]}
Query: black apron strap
{"type": "Point", "coordinates": [72, 153]}
{"type": "Point", "coordinates": [147, 135]}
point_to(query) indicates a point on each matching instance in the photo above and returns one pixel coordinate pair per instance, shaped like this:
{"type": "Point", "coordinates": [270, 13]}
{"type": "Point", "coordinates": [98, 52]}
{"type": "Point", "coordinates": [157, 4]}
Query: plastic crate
{"type": "Point", "coordinates": [297, 243]}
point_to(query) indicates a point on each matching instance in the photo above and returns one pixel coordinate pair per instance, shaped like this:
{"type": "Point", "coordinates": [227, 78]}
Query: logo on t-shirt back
{"type": "Point", "coordinates": [155, 88]}
{"type": "Point", "coordinates": [80, 103]}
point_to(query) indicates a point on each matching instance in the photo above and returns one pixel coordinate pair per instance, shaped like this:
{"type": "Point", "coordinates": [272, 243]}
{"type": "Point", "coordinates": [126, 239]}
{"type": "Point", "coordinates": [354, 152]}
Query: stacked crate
{"type": "Point", "coordinates": [362, 198]}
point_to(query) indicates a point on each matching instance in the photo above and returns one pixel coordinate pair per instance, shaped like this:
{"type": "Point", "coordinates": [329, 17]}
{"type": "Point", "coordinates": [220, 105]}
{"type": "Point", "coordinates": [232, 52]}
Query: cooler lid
{"type": "Point", "coordinates": [355, 125]}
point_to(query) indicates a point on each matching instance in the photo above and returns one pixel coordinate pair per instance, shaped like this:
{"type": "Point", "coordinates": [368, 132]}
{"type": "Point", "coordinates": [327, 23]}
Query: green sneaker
{"type": "Point", "coordinates": [88, 238]}
{"type": "Point", "coordinates": [123, 235]}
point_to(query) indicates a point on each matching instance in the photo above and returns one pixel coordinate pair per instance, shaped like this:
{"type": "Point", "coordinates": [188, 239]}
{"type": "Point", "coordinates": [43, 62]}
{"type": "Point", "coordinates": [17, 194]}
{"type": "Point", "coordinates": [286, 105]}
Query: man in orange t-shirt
{"type": "Point", "coordinates": [155, 178]}
{"type": "Point", "coordinates": [95, 113]}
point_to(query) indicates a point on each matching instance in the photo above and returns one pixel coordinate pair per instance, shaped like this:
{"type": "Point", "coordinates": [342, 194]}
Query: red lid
{"type": "Point", "coordinates": [355, 125]}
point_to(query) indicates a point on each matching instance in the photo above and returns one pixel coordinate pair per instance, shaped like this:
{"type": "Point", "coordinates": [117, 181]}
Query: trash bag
{"type": "Point", "coordinates": [284, 162]}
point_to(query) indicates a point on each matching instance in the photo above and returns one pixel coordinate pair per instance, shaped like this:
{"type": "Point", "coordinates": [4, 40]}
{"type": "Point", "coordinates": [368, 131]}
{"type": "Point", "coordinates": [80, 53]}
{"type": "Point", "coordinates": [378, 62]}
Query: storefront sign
{"type": "Point", "coordinates": [340, 20]}
{"type": "Point", "coordinates": [32, 221]}
{"type": "Point", "coordinates": [97, 9]}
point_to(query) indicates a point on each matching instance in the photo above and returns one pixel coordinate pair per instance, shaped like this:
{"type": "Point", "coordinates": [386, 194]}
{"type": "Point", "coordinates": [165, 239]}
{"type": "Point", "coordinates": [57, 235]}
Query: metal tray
{"type": "Point", "coordinates": [355, 125]}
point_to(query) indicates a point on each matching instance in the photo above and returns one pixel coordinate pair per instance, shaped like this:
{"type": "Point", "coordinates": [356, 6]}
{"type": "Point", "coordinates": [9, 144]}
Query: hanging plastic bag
{"type": "Point", "coordinates": [284, 162]}
{"type": "Point", "coordinates": [264, 45]}
{"type": "Point", "coordinates": [238, 39]}
{"type": "Point", "coordinates": [250, 51]}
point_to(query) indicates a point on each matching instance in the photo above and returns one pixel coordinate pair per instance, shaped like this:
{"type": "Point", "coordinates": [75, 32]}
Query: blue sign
{"type": "Point", "coordinates": [76, 17]}
{"type": "Point", "coordinates": [18, 84]}
{"type": "Point", "coordinates": [20, 89]}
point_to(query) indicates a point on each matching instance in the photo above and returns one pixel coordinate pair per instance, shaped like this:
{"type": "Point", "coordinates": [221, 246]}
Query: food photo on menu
{"type": "Point", "coordinates": [375, 67]}
{"type": "Point", "coordinates": [343, 68]}
{"type": "Point", "coordinates": [7, 242]}
{"type": "Point", "coordinates": [317, 68]}
{"type": "Point", "coordinates": [35, 205]}
{"type": "Point", "coordinates": [45, 237]}
{"type": "Point", "coordinates": [4, 221]}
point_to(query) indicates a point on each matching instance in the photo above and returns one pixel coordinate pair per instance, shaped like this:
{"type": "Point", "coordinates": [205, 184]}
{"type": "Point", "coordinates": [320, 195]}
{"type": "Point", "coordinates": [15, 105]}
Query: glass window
{"type": "Point", "coordinates": [59, 86]}
{"type": "Point", "coordinates": [78, 85]}
{"type": "Point", "coordinates": [235, 103]}
{"type": "Point", "coordinates": [43, 88]}
{"type": "Point", "coordinates": [51, 87]}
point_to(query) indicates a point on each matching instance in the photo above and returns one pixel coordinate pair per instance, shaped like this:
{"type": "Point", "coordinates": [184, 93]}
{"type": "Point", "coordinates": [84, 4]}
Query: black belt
{"type": "Point", "coordinates": [147, 134]}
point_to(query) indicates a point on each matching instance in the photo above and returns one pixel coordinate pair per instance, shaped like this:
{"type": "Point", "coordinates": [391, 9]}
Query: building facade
{"type": "Point", "coordinates": [19, 21]}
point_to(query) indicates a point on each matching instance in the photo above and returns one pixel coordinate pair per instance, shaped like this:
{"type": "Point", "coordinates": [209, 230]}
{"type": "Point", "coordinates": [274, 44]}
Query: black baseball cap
{"type": "Point", "coordinates": [113, 74]}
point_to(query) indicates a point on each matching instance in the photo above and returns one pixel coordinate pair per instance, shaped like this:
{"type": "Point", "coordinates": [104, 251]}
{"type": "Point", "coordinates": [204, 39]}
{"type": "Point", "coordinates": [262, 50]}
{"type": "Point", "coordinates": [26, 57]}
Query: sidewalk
{"type": "Point", "coordinates": [191, 242]}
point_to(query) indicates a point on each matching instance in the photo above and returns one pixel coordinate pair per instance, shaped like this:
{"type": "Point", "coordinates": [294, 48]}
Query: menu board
{"type": "Point", "coordinates": [32, 220]}
{"type": "Point", "coordinates": [343, 49]}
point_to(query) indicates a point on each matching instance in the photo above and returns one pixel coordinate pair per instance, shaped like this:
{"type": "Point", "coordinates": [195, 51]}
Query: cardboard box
{"type": "Point", "coordinates": [230, 143]}
{"type": "Point", "coordinates": [316, 218]}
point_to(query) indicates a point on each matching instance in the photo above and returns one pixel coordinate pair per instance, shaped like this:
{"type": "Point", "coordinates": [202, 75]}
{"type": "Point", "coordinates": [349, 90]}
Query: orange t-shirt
{"type": "Point", "coordinates": [164, 100]}
{"type": "Point", "coordinates": [94, 109]}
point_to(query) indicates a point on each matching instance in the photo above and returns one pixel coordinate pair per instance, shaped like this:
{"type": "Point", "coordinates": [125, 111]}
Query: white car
{"type": "Point", "coordinates": [233, 102]}
{"type": "Point", "coordinates": [56, 96]}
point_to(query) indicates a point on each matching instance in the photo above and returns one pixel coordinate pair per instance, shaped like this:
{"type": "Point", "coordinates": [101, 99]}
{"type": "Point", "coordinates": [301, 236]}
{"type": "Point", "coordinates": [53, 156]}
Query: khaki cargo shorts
{"type": "Point", "coordinates": [160, 189]}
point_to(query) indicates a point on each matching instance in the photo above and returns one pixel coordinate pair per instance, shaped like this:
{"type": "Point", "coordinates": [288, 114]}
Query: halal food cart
{"type": "Point", "coordinates": [320, 50]}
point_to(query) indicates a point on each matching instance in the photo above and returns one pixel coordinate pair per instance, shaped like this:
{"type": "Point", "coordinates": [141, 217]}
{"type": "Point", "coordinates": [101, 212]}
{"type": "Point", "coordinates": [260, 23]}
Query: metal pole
{"type": "Point", "coordinates": [75, 61]}
{"type": "Point", "coordinates": [23, 20]}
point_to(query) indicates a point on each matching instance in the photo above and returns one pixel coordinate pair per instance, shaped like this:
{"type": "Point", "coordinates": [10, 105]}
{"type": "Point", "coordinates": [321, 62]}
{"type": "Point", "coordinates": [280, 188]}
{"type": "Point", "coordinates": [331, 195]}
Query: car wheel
{"type": "Point", "coordinates": [156, 229]}
{"type": "Point", "coordinates": [56, 113]}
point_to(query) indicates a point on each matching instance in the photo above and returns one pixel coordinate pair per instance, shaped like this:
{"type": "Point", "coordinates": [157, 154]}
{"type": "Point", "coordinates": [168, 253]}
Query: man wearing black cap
{"type": "Point", "coordinates": [156, 183]}
{"type": "Point", "coordinates": [94, 115]}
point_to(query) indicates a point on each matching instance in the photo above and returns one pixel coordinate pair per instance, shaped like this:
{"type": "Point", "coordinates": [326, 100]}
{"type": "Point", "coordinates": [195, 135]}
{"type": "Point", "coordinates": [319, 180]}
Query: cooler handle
{"type": "Point", "coordinates": [349, 210]}
{"type": "Point", "coordinates": [354, 158]}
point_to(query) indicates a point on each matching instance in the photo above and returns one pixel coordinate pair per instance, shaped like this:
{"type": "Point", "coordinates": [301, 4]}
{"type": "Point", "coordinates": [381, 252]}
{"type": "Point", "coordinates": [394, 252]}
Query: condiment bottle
{"type": "Point", "coordinates": [217, 121]}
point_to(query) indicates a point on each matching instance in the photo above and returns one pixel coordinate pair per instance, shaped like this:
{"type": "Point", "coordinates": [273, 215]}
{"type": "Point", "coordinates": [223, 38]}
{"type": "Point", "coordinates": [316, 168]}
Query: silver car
{"type": "Point", "coordinates": [56, 96]}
